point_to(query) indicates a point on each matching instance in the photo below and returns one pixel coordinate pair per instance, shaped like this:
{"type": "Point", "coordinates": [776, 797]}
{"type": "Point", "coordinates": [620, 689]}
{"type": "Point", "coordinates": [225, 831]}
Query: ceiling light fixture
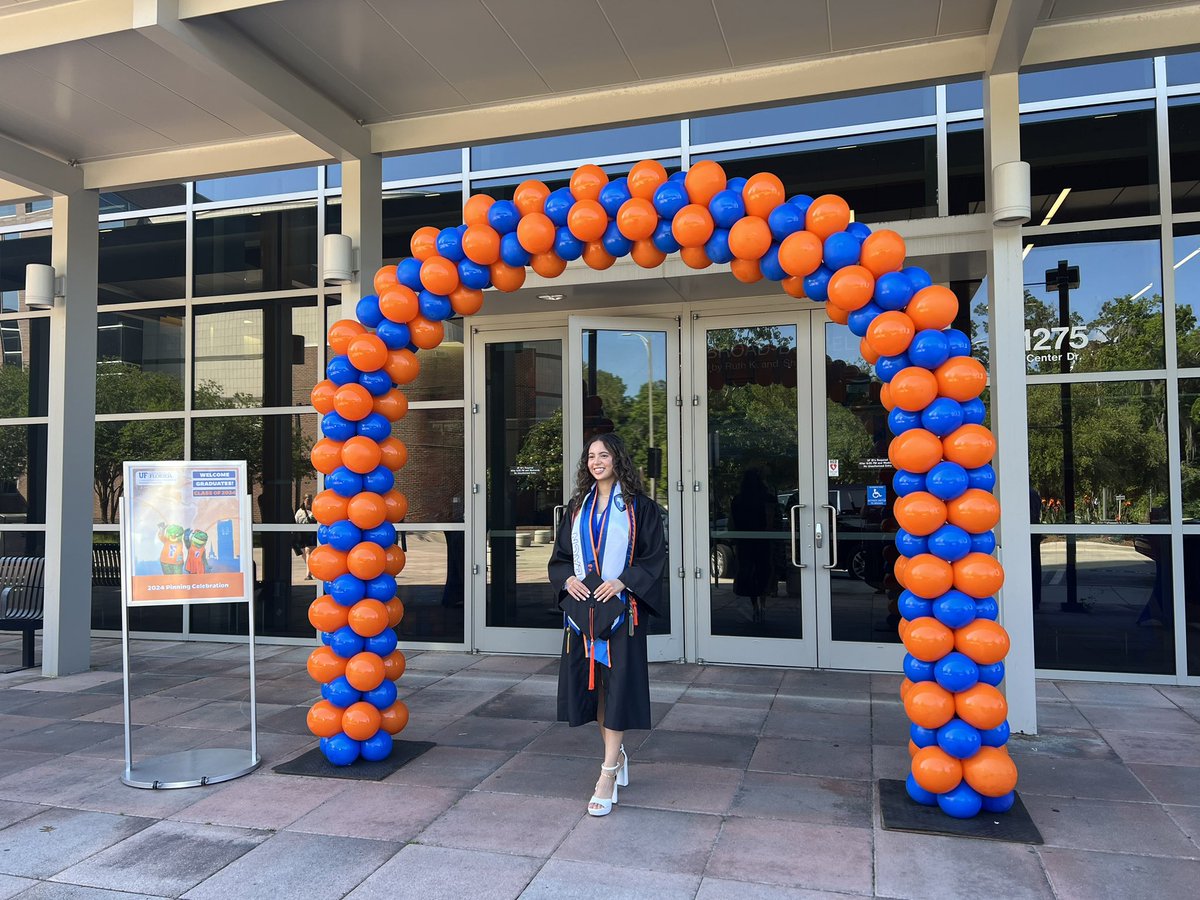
{"type": "Point", "coordinates": [1062, 195]}
{"type": "Point", "coordinates": [551, 297]}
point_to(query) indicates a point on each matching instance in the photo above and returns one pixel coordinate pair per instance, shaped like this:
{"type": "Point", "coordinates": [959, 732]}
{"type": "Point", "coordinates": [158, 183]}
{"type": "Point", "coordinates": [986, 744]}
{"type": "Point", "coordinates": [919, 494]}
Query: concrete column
{"type": "Point", "coordinates": [66, 646]}
{"type": "Point", "coordinates": [362, 219]}
{"type": "Point", "coordinates": [1006, 330]}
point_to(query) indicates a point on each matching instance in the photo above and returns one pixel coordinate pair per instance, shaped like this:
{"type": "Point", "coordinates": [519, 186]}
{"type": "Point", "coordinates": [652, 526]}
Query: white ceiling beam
{"type": "Point", "coordinates": [194, 9]}
{"type": "Point", "coordinates": [1008, 37]}
{"type": "Point", "coordinates": [1161, 30]}
{"type": "Point", "coordinates": [11, 192]}
{"type": "Point", "coordinates": [224, 53]}
{"type": "Point", "coordinates": [36, 171]}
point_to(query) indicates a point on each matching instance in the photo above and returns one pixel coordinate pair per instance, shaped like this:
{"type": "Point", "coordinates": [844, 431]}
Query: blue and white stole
{"type": "Point", "coordinates": [602, 542]}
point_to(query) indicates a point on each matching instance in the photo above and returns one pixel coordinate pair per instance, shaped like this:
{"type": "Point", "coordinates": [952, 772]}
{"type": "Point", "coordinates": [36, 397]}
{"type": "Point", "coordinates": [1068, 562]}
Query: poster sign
{"type": "Point", "coordinates": [186, 533]}
{"type": "Point", "coordinates": [835, 467]}
{"type": "Point", "coordinates": [876, 495]}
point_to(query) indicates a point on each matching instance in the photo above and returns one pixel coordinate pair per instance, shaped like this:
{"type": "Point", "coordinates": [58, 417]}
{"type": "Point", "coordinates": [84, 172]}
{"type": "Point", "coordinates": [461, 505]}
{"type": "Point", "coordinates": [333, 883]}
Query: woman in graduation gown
{"type": "Point", "coordinates": [612, 536]}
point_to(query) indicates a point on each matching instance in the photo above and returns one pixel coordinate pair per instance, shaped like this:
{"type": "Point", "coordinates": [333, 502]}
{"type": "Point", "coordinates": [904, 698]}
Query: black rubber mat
{"type": "Point", "coordinates": [901, 813]}
{"type": "Point", "coordinates": [314, 763]}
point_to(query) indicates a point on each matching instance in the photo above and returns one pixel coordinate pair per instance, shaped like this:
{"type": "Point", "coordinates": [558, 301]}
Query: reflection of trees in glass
{"type": "Point", "coordinates": [849, 441]}
{"type": "Point", "coordinates": [14, 401]}
{"type": "Point", "coordinates": [543, 450]}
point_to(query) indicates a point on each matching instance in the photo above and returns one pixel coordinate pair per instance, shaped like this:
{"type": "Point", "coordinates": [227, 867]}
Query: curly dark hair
{"type": "Point", "coordinates": [623, 468]}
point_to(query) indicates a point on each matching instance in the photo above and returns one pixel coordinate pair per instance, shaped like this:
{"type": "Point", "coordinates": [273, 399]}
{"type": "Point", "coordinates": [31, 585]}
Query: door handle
{"type": "Point", "coordinates": [833, 548]}
{"type": "Point", "coordinates": [558, 514]}
{"type": "Point", "coordinates": [793, 524]}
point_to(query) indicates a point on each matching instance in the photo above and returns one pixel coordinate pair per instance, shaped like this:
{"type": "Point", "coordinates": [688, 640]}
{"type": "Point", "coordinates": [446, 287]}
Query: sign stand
{"type": "Point", "coordinates": [187, 768]}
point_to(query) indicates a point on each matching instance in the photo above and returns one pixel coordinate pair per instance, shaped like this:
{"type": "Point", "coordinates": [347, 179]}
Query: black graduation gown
{"type": "Point", "coordinates": [626, 683]}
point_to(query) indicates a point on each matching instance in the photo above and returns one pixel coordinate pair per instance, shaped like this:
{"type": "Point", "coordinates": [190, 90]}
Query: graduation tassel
{"type": "Point", "coordinates": [592, 655]}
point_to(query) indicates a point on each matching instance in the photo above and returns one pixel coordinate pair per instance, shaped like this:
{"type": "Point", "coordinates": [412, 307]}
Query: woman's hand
{"type": "Point", "coordinates": [577, 588]}
{"type": "Point", "coordinates": [609, 589]}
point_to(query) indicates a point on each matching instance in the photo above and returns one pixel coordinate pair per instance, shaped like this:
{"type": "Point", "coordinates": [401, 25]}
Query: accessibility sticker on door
{"type": "Point", "coordinates": [834, 468]}
{"type": "Point", "coordinates": [876, 495]}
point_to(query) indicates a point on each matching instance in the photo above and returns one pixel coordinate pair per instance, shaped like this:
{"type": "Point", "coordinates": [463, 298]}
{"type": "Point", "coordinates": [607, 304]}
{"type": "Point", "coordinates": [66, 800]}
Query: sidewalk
{"type": "Point", "coordinates": [754, 783]}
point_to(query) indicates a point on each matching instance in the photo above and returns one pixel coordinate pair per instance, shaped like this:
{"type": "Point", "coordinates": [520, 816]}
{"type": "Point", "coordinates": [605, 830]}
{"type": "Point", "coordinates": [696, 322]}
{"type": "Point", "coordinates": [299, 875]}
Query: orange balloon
{"type": "Point", "coordinates": [916, 450]}
{"type": "Point", "coordinates": [439, 275]}
{"type": "Point", "coordinates": [936, 770]}
{"type": "Point", "coordinates": [982, 706]}
{"type": "Point", "coordinates": [395, 506]}
{"type": "Point", "coordinates": [425, 334]}
{"type": "Point", "coordinates": [882, 252]}
{"type": "Point", "coordinates": [393, 453]}
{"type": "Point", "coordinates": [928, 577]}
{"type": "Point", "coordinates": [929, 705]}
{"type": "Point", "coordinates": [985, 641]}
{"type": "Point", "coordinates": [507, 278]}
{"type": "Point", "coordinates": [637, 218]}
{"type": "Point", "coordinates": [481, 243]}
{"type": "Point", "coordinates": [692, 225]}
{"type": "Point", "coordinates": [702, 182]}
{"type": "Point", "coordinates": [970, 445]}
{"type": "Point", "coordinates": [326, 455]}
{"type": "Point", "coordinates": [905, 686]}
{"type": "Point", "coordinates": [646, 255]}
{"type": "Point", "coordinates": [385, 278]}
{"type": "Point", "coordinates": [367, 353]}
{"type": "Point", "coordinates": [352, 401]}
{"type": "Point", "coordinates": [475, 212]}
{"type": "Point", "coordinates": [366, 510]}
{"type": "Point", "coordinates": [890, 333]}
{"type": "Point", "coordinates": [928, 639]}
{"type": "Point", "coordinates": [394, 663]}
{"type": "Point", "coordinates": [399, 304]}
{"type": "Point", "coordinates": [749, 238]}
{"type": "Point", "coordinates": [326, 614]}
{"type": "Point", "coordinates": [913, 388]}
{"type": "Point", "coordinates": [360, 720]}
{"type": "Point", "coordinates": [826, 215]}
{"type": "Point", "coordinates": [366, 560]}
{"type": "Point", "coordinates": [885, 391]}
{"type": "Point", "coordinates": [991, 772]}
{"type": "Point", "coordinates": [535, 233]}
{"type": "Point", "coordinates": [586, 183]}
{"type": "Point", "coordinates": [978, 575]}
{"type": "Point", "coordinates": [325, 563]}
{"type": "Point", "coordinates": [851, 287]}
{"type": "Point", "coordinates": [596, 257]}
{"type": "Point", "coordinates": [395, 560]}
{"type": "Point", "coordinates": [794, 287]}
{"type": "Point", "coordinates": [899, 567]}
{"type": "Point", "coordinates": [395, 611]}
{"type": "Point", "coordinates": [695, 258]}
{"type": "Point", "coordinates": [324, 665]}
{"type": "Point", "coordinates": [342, 332]}
{"type": "Point", "coordinates": [364, 671]}
{"type": "Point", "coordinates": [548, 265]}
{"type": "Point", "coordinates": [933, 307]}
{"type": "Point", "coordinates": [324, 719]}
{"type": "Point", "coordinates": [839, 315]}
{"type": "Point", "coordinates": [762, 193]}
{"type": "Point", "coordinates": [800, 254]}
{"type": "Point", "coordinates": [424, 242]}
{"type": "Point", "coordinates": [645, 178]}
{"type": "Point", "coordinates": [322, 396]}
{"type": "Point", "coordinates": [975, 511]}
{"type": "Point", "coordinates": [360, 454]}
{"type": "Point", "coordinates": [867, 352]}
{"type": "Point", "coordinates": [367, 617]}
{"type": "Point", "coordinates": [402, 365]}
{"type": "Point", "coordinates": [746, 271]}
{"type": "Point", "coordinates": [912, 748]}
{"type": "Point", "coordinates": [329, 507]}
{"type": "Point", "coordinates": [393, 405]}
{"type": "Point", "coordinates": [530, 197]}
{"type": "Point", "coordinates": [587, 220]}
{"type": "Point", "coordinates": [394, 718]}
{"type": "Point", "coordinates": [466, 301]}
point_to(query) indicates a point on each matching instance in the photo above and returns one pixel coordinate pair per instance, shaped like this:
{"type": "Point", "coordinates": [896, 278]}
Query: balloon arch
{"type": "Point", "coordinates": [945, 511]}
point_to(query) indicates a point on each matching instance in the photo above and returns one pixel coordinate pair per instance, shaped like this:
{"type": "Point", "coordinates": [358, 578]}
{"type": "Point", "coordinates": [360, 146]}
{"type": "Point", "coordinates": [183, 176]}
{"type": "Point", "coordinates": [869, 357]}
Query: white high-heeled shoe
{"type": "Point", "coordinates": [623, 774]}
{"type": "Point", "coordinates": [603, 805]}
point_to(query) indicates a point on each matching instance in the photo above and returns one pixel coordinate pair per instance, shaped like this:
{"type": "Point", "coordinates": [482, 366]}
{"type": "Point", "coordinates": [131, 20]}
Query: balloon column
{"type": "Point", "coordinates": [931, 387]}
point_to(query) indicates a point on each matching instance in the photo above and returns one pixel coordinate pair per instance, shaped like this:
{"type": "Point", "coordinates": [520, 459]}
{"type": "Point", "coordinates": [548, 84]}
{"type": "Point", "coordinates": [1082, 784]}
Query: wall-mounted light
{"type": "Point", "coordinates": [42, 286]}
{"type": "Point", "coordinates": [1010, 194]}
{"type": "Point", "coordinates": [338, 259]}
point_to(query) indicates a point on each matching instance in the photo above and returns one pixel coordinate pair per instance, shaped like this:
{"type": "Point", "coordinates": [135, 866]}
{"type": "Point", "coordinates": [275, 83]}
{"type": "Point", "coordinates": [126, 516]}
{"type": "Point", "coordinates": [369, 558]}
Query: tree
{"type": "Point", "coordinates": [14, 442]}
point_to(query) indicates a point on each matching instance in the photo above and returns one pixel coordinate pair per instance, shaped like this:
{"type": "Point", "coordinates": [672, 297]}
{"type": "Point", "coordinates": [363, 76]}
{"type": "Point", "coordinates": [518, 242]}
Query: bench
{"type": "Point", "coordinates": [22, 599]}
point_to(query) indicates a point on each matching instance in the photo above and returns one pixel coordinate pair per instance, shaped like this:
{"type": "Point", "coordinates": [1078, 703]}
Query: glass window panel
{"type": "Point", "coordinates": [504, 188]}
{"type": "Point", "coordinates": [1191, 600]}
{"type": "Point", "coordinates": [106, 595]}
{"type": "Point", "coordinates": [1113, 320]}
{"type": "Point", "coordinates": [256, 354]}
{"type": "Point", "coordinates": [1187, 293]}
{"type": "Point", "coordinates": [130, 199]}
{"type": "Point", "coordinates": [116, 442]}
{"type": "Point", "coordinates": [1098, 452]}
{"type": "Point", "coordinates": [432, 584]}
{"type": "Point", "coordinates": [1183, 68]}
{"type": "Point", "coordinates": [964, 156]}
{"type": "Point", "coordinates": [1093, 163]}
{"type": "Point", "coordinates": [24, 367]}
{"type": "Point", "coordinates": [1103, 603]}
{"type": "Point", "coordinates": [964, 95]}
{"type": "Point", "coordinates": [585, 145]}
{"type": "Point", "coordinates": [143, 259]}
{"type": "Point", "coordinates": [269, 249]}
{"type": "Point", "coordinates": [815, 116]}
{"type": "Point", "coordinates": [1189, 449]}
{"type": "Point", "coordinates": [433, 478]}
{"type": "Point", "coordinates": [1087, 81]}
{"type": "Point", "coordinates": [441, 374]}
{"type": "Point", "coordinates": [276, 450]}
{"type": "Point", "coordinates": [1183, 118]}
{"type": "Point", "coordinates": [16, 252]}
{"type": "Point", "coordinates": [23, 543]}
{"type": "Point", "coordinates": [422, 165]}
{"type": "Point", "coordinates": [22, 474]}
{"type": "Point", "coordinates": [139, 361]}
{"type": "Point", "coordinates": [262, 184]}
{"type": "Point", "coordinates": [406, 211]}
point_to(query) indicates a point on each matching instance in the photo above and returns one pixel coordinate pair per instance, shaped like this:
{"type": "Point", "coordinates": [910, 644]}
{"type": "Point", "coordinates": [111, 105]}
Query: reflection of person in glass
{"type": "Point", "coordinates": [753, 510]}
{"type": "Point", "coordinates": [1035, 546]}
{"type": "Point", "coordinates": [615, 531]}
{"type": "Point", "coordinates": [304, 543]}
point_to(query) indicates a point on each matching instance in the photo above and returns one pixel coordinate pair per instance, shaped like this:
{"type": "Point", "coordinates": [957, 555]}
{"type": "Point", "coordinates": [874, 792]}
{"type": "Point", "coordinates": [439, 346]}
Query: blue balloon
{"type": "Point", "coordinates": [959, 343]}
{"type": "Point", "coordinates": [962, 802]}
{"type": "Point", "coordinates": [984, 542]}
{"type": "Point", "coordinates": [769, 264]}
{"type": "Point", "coordinates": [664, 239]}
{"type": "Point", "coordinates": [558, 204]}
{"type": "Point", "coordinates": [922, 737]}
{"type": "Point", "coordinates": [324, 637]}
{"type": "Point", "coordinates": [503, 216]}
{"type": "Point", "coordinates": [958, 739]}
{"type": "Point", "coordinates": [996, 737]}
{"type": "Point", "coordinates": [341, 371]}
{"type": "Point", "coordinates": [395, 335]}
{"type": "Point", "coordinates": [717, 246]}
{"type": "Point", "coordinates": [861, 319]}
{"type": "Point", "coordinates": [901, 420]}
{"type": "Point", "coordinates": [1000, 804]}
{"type": "Point", "coordinates": [942, 416]}
{"type": "Point", "coordinates": [336, 428]}
{"type": "Point", "coordinates": [566, 245]}
{"type": "Point", "coordinates": [993, 674]}
{"type": "Point", "coordinates": [345, 642]}
{"type": "Point", "coordinates": [379, 480]}
{"type": "Point", "coordinates": [951, 543]}
{"type": "Point", "coordinates": [382, 588]}
{"type": "Point", "coordinates": [946, 480]}
{"type": "Point", "coordinates": [377, 747]}
{"type": "Point", "coordinates": [367, 311]}
{"type": "Point", "coordinates": [886, 367]}
{"type": "Point", "coordinates": [377, 383]}
{"type": "Point", "coordinates": [736, 183]}
{"type": "Point", "coordinates": [342, 750]}
{"type": "Point", "coordinates": [375, 426]}
{"type": "Point", "coordinates": [473, 275]}
{"type": "Point", "coordinates": [340, 692]}
{"type": "Point", "coordinates": [974, 412]}
{"type": "Point", "coordinates": [860, 230]}
{"type": "Point", "coordinates": [917, 669]}
{"type": "Point", "coordinates": [381, 644]}
{"type": "Point", "coordinates": [929, 349]}
{"type": "Point", "coordinates": [918, 793]}
{"type": "Point", "coordinates": [726, 208]}
{"type": "Point", "coordinates": [802, 202]}
{"type": "Point", "coordinates": [987, 608]}
{"type": "Point", "coordinates": [841, 250]}
{"type": "Point", "coordinates": [613, 196]}
{"type": "Point", "coordinates": [435, 307]}
{"type": "Point", "coordinates": [383, 696]}
{"type": "Point", "coordinates": [677, 176]}
{"type": "Point", "coordinates": [344, 482]}
{"type": "Point", "coordinates": [408, 273]}
{"type": "Point", "coordinates": [905, 483]}
{"type": "Point", "coordinates": [384, 535]}
{"type": "Point", "coordinates": [910, 545]}
{"type": "Point", "coordinates": [892, 291]}
{"type": "Point", "coordinates": [816, 285]}
{"type": "Point", "coordinates": [344, 535]}
{"type": "Point", "coordinates": [785, 219]}
{"type": "Point", "coordinates": [322, 534]}
{"type": "Point", "coordinates": [910, 606]}
{"type": "Point", "coordinates": [917, 277]}
{"type": "Point", "coordinates": [511, 251]}
{"type": "Point", "coordinates": [346, 590]}
{"type": "Point", "coordinates": [449, 244]}
{"type": "Point", "coordinates": [614, 242]}
{"type": "Point", "coordinates": [670, 198]}
{"type": "Point", "coordinates": [983, 478]}
{"type": "Point", "coordinates": [956, 671]}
